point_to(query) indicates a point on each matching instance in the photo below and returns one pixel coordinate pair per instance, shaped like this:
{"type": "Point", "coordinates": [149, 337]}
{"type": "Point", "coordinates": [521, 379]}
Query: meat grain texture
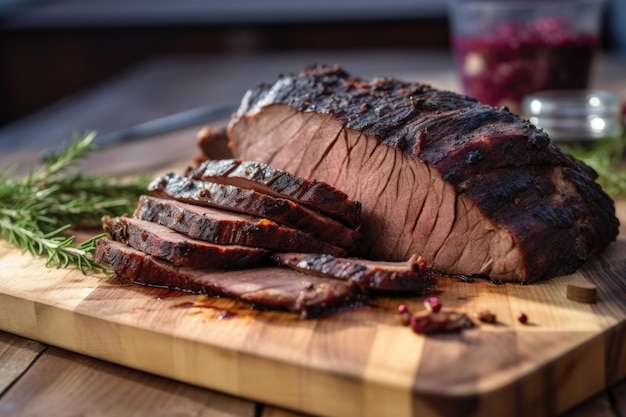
{"type": "Point", "coordinates": [227, 228]}
{"type": "Point", "coordinates": [278, 183]}
{"type": "Point", "coordinates": [167, 244]}
{"type": "Point", "coordinates": [264, 288]}
{"type": "Point", "coordinates": [475, 190]}
{"type": "Point", "coordinates": [251, 202]}
{"type": "Point", "coordinates": [411, 276]}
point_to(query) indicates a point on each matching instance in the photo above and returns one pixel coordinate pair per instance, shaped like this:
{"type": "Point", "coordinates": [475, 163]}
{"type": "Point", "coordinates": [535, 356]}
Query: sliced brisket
{"type": "Point", "coordinates": [474, 189]}
{"type": "Point", "coordinates": [411, 276]}
{"type": "Point", "coordinates": [270, 288]}
{"type": "Point", "coordinates": [279, 183]}
{"type": "Point", "coordinates": [249, 201]}
{"type": "Point", "coordinates": [213, 143]}
{"type": "Point", "coordinates": [226, 228]}
{"type": "Point", "coordinates": [165, 243]}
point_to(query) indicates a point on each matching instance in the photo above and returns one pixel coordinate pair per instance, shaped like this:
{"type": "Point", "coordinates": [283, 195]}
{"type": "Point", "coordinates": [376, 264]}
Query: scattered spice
{"type": "Point", "coordinates": [402, 308]}
{"type": "Point", "coordinates": [486, 316]}
{"type": "Point", "coordinates": [433, 320]}
{"type": "Point", "coordinates": [432, 304]}
{"type": "Point", "coordinates": [522, 318]}
{"type": "Point", "coordinates": [421, 324]}
{"type": "Point", "coordinates": [426, 322]}
{"type": "Point", "coordinates": [404, 314]}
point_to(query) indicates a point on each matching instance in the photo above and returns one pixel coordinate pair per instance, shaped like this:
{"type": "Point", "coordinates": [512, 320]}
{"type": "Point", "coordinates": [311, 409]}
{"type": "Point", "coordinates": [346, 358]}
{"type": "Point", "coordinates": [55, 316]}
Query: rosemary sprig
{"type": "Point", "coordinates": [37, 211]}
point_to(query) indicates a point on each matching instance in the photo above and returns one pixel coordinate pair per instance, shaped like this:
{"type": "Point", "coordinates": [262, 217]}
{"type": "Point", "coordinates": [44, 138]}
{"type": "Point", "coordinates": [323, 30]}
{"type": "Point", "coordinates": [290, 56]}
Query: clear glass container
{"type": "Point", "coordinates": [507, 49]}
{"type": "Point", "coordinates": [578, 118]}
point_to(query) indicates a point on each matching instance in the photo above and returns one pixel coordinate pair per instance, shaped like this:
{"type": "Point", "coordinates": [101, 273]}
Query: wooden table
{"type": "Point", "coordinates": [37, 379]}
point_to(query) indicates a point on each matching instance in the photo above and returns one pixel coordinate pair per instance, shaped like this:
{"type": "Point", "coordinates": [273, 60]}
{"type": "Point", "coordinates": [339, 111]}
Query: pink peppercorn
{"type": "Point", "coordinates": [402, 309]}
{"type": "Point", "coordinates": [522, 318]}
{"type": "Point", "coordinates": [432, 304]}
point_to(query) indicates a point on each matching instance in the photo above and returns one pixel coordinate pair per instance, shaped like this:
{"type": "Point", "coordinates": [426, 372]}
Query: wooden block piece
{"type": "Point", "coordinates": [582, 291]}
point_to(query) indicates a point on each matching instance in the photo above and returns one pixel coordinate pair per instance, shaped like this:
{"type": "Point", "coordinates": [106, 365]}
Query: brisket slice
{"type": "Point", "coordinates": [261, 177]}
{"type": "Point", "coordinates": [225, 228]}
{"type": "Point", "coordinates": [411, 276]}
{"type": "Point", "coordinates": [269, 288]}
{"type": "Point", "coordinates": [473, 189]}
{"type": "Point", "coordinates": [213, 142]}
{"type": "Point", "coordinates": [248, 201]}
{"type": "Point", "coordinates": [165, 243]}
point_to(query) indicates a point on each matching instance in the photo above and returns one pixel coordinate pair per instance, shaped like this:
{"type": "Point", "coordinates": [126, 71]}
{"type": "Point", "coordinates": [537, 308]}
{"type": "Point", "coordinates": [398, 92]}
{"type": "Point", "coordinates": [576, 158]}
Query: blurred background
{"type": "Point", "coordinates": [50, 49]}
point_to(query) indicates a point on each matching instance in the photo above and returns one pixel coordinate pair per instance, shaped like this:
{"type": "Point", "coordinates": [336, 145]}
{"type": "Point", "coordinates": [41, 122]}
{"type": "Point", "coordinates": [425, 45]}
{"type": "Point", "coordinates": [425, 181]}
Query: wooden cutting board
{"type": "Point", "coordinates": [360, 362]}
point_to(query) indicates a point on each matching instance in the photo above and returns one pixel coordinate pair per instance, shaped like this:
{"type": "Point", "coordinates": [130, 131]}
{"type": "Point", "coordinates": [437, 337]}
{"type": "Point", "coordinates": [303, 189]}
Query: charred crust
{"type": "Point", "coordinates": [505, 169]}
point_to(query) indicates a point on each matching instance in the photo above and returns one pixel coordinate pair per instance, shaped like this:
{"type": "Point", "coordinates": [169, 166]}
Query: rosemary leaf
{"type": "Point", "coordinates": [38, 211]}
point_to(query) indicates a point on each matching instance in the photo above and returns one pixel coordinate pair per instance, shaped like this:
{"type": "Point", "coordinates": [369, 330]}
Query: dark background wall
{"type": "Point", "coordinates": [51, 48]}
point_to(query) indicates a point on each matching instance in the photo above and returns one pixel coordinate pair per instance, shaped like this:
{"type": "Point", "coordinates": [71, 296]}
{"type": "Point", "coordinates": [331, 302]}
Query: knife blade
{"type": "Point", "coordinates": [172, 122]}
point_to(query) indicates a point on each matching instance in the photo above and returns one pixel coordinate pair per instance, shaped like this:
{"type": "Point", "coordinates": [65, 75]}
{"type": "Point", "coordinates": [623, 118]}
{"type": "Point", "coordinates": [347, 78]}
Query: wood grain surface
{"type": "Point", "coordinates": [61, 383]}
{"type": "Point", "coordinates": [360, 362]}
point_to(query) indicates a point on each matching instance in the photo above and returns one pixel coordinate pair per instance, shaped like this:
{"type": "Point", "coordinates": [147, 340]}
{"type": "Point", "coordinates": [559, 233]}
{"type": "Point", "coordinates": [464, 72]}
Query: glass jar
{"type": "Point", "coordinates": [507, 49]}
{"type": "Point", "coordinates": [575, 115]}
{"type": "Point", "coordinates": [578, 118]}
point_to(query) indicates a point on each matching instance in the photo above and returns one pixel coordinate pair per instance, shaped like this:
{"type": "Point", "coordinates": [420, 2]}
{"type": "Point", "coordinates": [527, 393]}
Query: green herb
{"type": "Point", "coordinates": [605, 158]}
{"type": "Point", "coordinates": [37, 211]}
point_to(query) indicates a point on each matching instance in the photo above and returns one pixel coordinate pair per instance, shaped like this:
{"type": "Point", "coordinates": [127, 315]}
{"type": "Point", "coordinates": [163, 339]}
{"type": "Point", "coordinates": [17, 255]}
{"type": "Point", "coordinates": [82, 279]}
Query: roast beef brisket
{"type": "Point", "coordinates": [411, 276]}
{"type": "Point", "coordinates": [473, 189]}
{"type": "Point", "coordinates": [249, 201]}
{"type": "Point", "coordinates": [314, 194]}
{"type": "Point", "coordinates": [224, 228]}
{"type": "Point", "coordinates": [436, 181]}
{"type": "Point", "coordinates": [275, 288]}
{"type": "Point", "coordinates": [165, 243]}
